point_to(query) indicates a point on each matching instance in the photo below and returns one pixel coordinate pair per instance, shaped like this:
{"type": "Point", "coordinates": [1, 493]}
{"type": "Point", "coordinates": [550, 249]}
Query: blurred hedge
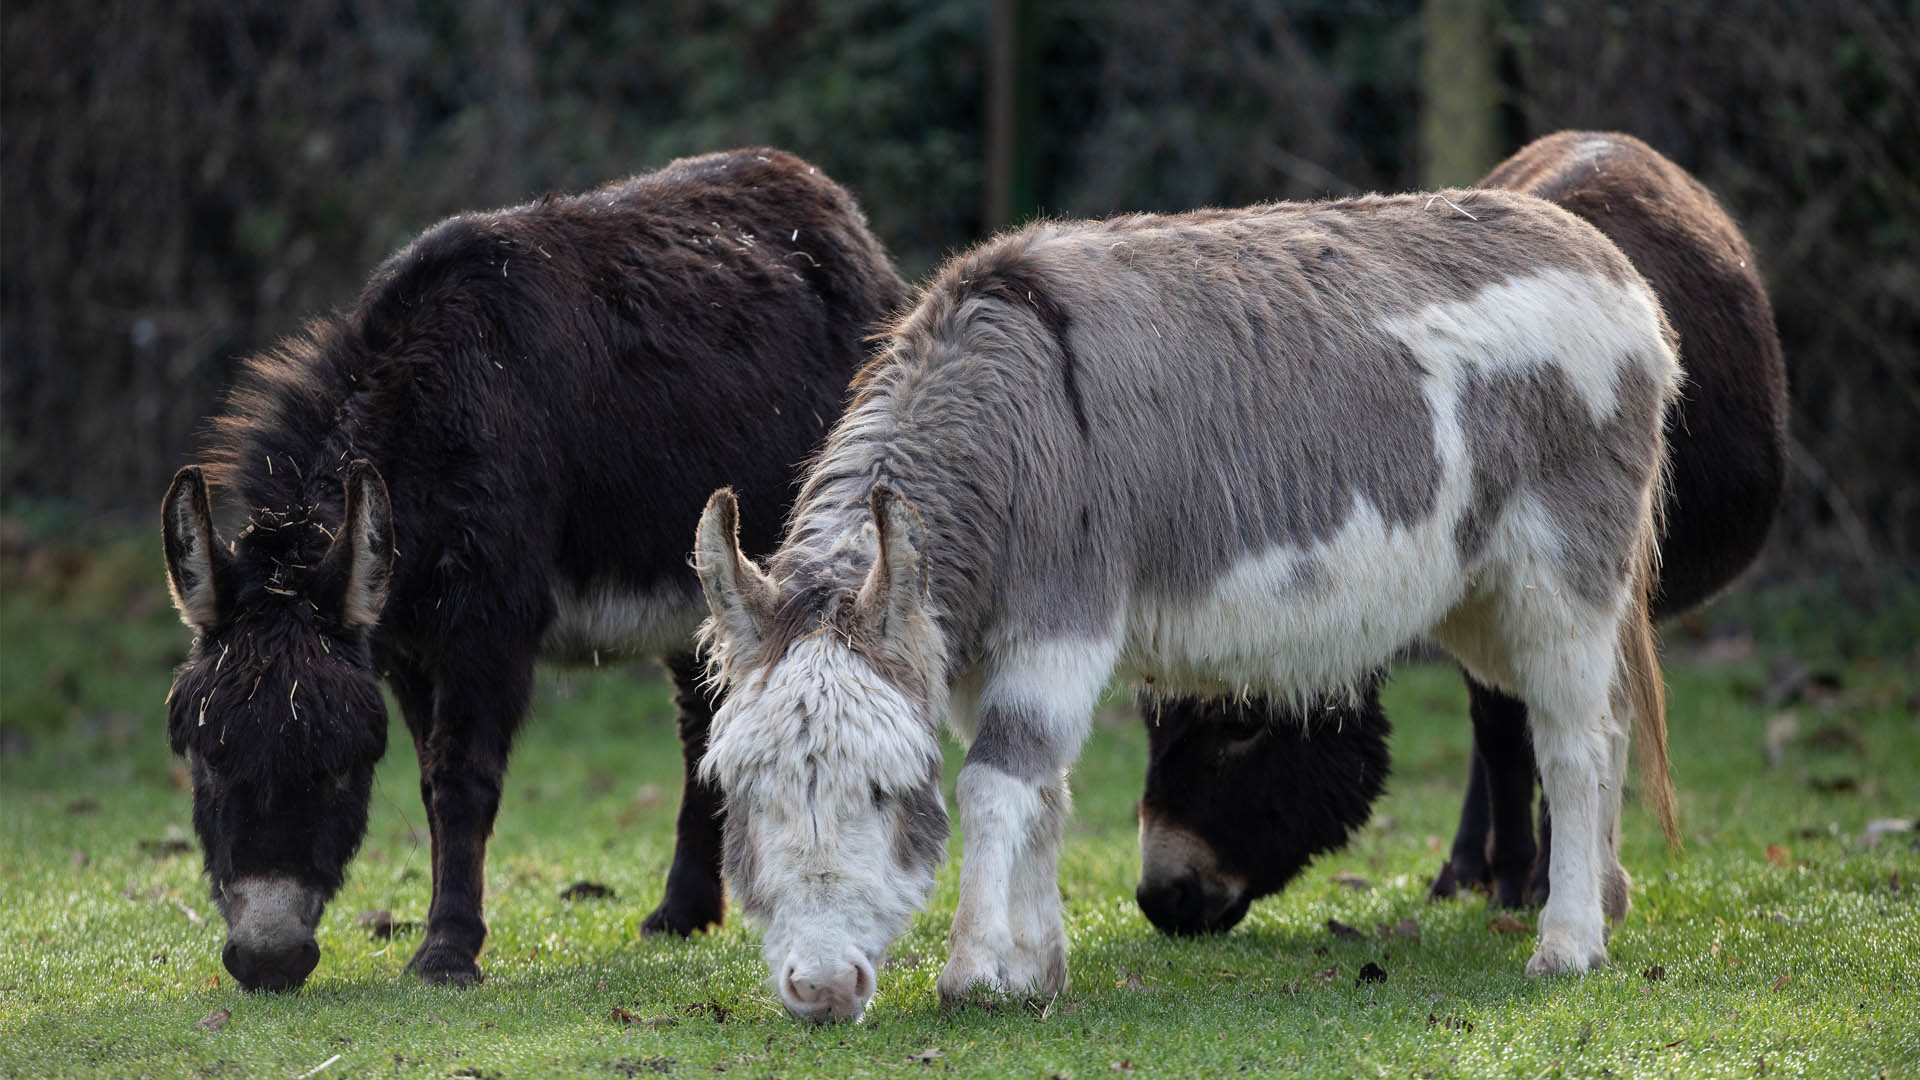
{"type": "Point", "coordinates": [184, 181]}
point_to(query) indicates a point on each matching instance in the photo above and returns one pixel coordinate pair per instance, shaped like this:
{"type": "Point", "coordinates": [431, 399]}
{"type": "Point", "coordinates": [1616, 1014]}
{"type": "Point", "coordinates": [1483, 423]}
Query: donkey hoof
{"type": "Point", "coordinates": [1446, 884]}
{"type": "Point", "coordinates": [961, 983]}
{"type": "Point", "coordinates": [680, 919]}
{"type": "Point", "coordinates": [1508, 891]}
{"type": "Point", "coordinates": [442, 965]}
{"type": "Point", "coordinates": [1565, 960]}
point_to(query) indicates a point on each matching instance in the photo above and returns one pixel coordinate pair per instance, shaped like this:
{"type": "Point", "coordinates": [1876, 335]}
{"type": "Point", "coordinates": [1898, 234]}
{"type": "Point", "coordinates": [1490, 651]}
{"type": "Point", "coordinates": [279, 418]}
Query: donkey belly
{"type": "Point", "coordinates": [607, 619]}
{"type": "Point", "coordinates": [1294, 620]}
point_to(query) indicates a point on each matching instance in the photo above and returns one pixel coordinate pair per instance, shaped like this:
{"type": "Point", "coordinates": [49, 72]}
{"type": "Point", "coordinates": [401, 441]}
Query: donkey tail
{"type": "Point", "coordinates": [1646, 695]}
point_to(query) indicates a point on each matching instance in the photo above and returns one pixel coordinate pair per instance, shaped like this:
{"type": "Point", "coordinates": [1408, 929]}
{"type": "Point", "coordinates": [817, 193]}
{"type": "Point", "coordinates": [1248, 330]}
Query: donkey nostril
{"type": "Point", "coordinates": [302, 962]}
{"type": "Point", "coordinates": [800, 990]}
{"type": "Point", "coordinates": [1175, 906]}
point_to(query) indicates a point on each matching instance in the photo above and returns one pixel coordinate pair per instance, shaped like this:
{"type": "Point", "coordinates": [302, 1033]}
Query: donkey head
{"type": "Point", "coordinates": [278, 711]}
{"type": "Point", "coordinates": [827, 751]}
{"type": "Point", "coordinates": [1241, 794]}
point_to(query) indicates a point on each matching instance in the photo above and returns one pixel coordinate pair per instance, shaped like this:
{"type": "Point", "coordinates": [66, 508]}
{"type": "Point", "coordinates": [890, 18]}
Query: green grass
{"type": "Point", "coordinates": [1807, 963]}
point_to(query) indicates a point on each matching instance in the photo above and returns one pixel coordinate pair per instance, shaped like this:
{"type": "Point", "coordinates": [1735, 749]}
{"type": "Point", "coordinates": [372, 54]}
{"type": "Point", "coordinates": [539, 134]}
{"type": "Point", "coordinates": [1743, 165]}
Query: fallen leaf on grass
{"type": "Point", "coordinates": [214, 1020]}
{"type": "Point", "coordinates": [1352, 881]}
{"type": "Point", "coordinates": [1129, 980]}
{"type": "Point", "coordinates": [1371, 973]}
{"type": "Point", "coordinates": [1340, 929]}
{"type": "Point", "coordinates": [1507, 924]}
{"type": "Point", "coordinates": [720, 1013]}
{"type": "Point", "coordinates": [587, 890]}
{"type": "Point", "coordinates": [1451, 1023]}
{"type": "Point", "coordinates": [623, 1016]}
{"type": "Point", "coordinates": [1328, 975]}
{"type": "Point", "coordinates": [927, 1056]}
{"type": "Point", "coordinates": [382, 926]}
{"type": "Point", "coordinates": [1121, 1066]}
{"type": "Point", "coordinates": [1408, 928]}
{"type": "Point", "coordinates": [1779, 855]}
{"type": "Point", "coordinates": [1654, 973]}
{"type": "Point", "coordinates": [1781, 982]}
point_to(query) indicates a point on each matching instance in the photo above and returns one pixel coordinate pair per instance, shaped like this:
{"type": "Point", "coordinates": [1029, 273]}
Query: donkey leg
{"type": "Point", "coordinates": [694, 898]}
{"type": "Point", "coordinates": [1574, 733]}
{"type": "Point", "coordinates": [1501, 743]}
{"type": "Point", "coordinates": [463, 762]}
{"type": "Point", "coordinates": [1615, 884]}
{"type": "Point", "coordinates": [1466, 863]}
{"type": "Point", "coordinates": [1538, 885]}
{"type": "Point", "coordinates": [413, 689]}
{"type": "Point", "coordinates": [1008, 936]}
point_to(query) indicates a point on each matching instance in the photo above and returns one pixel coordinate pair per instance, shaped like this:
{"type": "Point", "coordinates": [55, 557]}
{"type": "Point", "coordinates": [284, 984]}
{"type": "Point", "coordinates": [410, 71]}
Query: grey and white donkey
{"type": "Point", "coordinates": [1228, 450]}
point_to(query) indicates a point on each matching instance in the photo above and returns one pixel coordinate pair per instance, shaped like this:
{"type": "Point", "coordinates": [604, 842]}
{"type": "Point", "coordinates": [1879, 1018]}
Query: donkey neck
{"type": "Point", "coordinates": [891, 437]}
{"type": "Point", "coordinates": [300, 415]}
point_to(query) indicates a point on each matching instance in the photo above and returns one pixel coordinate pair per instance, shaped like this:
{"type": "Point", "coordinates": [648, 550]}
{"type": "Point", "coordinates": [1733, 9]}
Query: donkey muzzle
{"type": "Point", "coordinates": [826, 991]}
{"type": "Point", "coordinates": [270, 925]}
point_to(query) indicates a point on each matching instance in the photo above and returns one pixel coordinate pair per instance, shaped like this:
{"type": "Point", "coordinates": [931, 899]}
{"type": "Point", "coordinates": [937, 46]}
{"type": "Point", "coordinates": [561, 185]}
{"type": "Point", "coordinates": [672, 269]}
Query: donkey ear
{"type": "Point", "coordinates": [741, 597]}
{"type": "Point", "coordinates": [359, 563]}
{"type": "Point", "coordinates": [195, 560]}
{"type": "Point", "coordinates": [897, 584]}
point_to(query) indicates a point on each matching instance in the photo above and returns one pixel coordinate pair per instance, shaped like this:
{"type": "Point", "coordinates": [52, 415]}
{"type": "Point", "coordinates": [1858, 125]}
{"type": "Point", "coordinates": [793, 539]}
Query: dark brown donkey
{"type": "Point", "coordinates": [494, 456]}
{"type": "Point", "coordinates": [1239, 796]}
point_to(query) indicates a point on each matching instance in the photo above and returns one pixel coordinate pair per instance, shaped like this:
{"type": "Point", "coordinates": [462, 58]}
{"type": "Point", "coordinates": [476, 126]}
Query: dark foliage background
{"type": "Point", "coordinates": [185, 180]}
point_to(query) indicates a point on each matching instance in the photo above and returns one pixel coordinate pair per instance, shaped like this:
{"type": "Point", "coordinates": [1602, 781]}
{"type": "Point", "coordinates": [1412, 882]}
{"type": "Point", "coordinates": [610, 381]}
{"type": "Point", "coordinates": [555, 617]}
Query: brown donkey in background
{"type": "Point", "coordinates": [1240, 795]}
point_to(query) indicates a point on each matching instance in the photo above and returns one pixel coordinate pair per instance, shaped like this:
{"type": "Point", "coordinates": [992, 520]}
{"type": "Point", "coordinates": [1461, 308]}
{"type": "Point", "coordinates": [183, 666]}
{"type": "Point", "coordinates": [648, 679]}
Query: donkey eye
{"type": "Point", "coordinates": [879, 797]}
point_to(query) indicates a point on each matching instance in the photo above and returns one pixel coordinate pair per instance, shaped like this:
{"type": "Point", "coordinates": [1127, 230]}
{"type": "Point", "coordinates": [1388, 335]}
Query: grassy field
{"type": "Point", "coordinates": [1780, 942]}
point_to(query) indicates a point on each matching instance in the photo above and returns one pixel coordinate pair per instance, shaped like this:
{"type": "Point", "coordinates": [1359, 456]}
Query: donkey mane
{"type": "Point", "coordinates": [291, 410]}
{"type": "Point", "coordinates": [993, 305]}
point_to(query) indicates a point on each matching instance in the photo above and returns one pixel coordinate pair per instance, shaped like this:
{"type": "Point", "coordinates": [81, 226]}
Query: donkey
{"type": "Point", "coordinates": [1210, 848]}
{"type": "Point", "coordinates": [1232, 449]}
{"type": "Point", "coordinates": [482, 463]}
